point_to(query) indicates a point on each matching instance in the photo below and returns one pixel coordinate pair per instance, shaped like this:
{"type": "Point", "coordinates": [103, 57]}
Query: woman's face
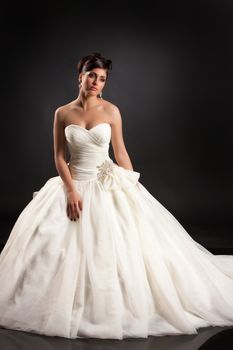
{"type": "Point", "coordinates": [93, 81]}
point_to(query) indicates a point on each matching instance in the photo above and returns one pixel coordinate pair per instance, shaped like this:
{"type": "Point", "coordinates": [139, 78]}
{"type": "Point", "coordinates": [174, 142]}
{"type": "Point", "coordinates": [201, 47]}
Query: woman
{"type": "Point", "coordinates": [88, 111]}
{"type": "Point", "coordinates": [94, 254]}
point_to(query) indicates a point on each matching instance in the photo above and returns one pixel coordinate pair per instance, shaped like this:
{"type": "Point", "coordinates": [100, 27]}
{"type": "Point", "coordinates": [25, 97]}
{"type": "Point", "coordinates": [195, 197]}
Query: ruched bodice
{"type": "Point", "coordinates": [87, 148]}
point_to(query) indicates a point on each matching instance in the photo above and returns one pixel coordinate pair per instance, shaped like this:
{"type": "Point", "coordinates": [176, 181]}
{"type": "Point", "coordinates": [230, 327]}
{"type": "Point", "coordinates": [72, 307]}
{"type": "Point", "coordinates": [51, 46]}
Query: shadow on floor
{"type": "Point", "coordinates": [207, 338]}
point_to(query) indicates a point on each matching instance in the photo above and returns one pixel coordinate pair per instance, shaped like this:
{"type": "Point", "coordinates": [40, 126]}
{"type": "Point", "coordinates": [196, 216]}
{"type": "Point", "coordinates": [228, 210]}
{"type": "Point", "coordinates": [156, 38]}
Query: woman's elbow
{"type": "Point", "coordinates": [119, 156]}
{"type": "Point", "coordinates": [59, 159]}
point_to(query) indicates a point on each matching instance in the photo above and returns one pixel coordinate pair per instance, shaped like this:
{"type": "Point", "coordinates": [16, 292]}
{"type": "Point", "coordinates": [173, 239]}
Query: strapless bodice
{"type": "Point", "coordinates": [88, 149]}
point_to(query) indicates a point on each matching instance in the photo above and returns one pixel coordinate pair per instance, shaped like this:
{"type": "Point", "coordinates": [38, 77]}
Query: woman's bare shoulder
{"type": "Point", "coordinates": [112, 111]}
{"type": "Point", "coordinates": [111, 108]}
{"type": "Point", "coordinates": [61, 112]}
{"type": "Point", "coordinates": [63, 108]}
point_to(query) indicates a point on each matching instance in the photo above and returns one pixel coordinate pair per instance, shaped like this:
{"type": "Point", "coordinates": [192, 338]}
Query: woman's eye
{"type": "Point", "coordinates": [92, 75]}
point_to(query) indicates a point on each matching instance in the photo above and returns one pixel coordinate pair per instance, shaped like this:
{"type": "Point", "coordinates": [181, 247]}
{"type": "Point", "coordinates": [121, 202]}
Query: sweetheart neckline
{"type": "Point", "coordinates": [87, 130]}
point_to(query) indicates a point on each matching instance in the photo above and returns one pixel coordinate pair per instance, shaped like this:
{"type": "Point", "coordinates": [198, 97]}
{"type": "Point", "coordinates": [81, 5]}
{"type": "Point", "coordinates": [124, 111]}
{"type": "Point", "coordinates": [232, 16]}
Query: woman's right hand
{"type": "Point", "coordinates": [74, 205]}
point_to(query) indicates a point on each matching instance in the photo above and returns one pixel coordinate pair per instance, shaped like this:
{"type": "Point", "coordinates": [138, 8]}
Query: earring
{"type": "Point", "coordinates": [80, 83]}
{"type": "Point", "coordinates": [100, 95]}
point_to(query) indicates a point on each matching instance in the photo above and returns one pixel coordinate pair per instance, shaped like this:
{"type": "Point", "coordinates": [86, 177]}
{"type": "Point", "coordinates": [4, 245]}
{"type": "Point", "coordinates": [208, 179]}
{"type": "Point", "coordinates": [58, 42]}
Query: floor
{"type": "Point", "coordinates": [209, 338]}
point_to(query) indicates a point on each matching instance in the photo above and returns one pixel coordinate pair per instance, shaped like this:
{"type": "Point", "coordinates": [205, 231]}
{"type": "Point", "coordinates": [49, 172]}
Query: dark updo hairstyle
{"type": "Point", "coordinates": [94, 60]}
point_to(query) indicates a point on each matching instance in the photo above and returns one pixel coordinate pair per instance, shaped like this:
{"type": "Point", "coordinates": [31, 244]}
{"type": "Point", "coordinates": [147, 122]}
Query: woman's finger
{"type": "Point", "coordinates": [68, 210]}
{"type": "Point", "coordinates": [80, 203]}
{"type": "Point", "coordinates": [73, 215]}
{"type": "Point", "coordinates": [77, 213]}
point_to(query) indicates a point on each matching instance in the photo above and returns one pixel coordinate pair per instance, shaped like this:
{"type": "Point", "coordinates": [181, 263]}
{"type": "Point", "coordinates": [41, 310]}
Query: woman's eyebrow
{"type": "Point", "coordinates": [103, 76]}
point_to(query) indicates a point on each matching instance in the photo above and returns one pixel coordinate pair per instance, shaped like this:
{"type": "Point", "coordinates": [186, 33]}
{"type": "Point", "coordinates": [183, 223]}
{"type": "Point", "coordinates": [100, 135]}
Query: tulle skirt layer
{"type": "Point", "coordinates": [125, 268]}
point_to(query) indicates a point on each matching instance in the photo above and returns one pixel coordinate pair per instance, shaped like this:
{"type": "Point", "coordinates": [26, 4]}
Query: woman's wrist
{"type": "Point", "coordinates": [70, 189]}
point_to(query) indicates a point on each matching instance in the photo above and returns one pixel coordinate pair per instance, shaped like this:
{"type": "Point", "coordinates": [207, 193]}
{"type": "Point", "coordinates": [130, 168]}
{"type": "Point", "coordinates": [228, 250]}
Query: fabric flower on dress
{"type": "Point", "coordinates": [114, 177]}
{"type": "Point", "coordinates": [105, 169]}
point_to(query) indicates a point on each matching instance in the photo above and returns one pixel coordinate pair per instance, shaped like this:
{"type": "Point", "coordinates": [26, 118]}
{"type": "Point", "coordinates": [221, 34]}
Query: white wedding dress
{"type": "Point", "coordinates": [125, 268]}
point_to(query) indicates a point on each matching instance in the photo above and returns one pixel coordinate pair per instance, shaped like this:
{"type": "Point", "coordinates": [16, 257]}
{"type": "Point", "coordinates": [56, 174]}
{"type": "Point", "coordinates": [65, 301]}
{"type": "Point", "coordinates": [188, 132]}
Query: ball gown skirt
{"type": "Point", "coordinates": [125, 268]}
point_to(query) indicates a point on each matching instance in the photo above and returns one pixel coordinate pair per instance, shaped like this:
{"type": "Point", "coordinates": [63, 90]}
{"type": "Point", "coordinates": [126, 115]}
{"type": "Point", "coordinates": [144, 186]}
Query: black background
{"type": "Point", "coordinates": [171, 79]}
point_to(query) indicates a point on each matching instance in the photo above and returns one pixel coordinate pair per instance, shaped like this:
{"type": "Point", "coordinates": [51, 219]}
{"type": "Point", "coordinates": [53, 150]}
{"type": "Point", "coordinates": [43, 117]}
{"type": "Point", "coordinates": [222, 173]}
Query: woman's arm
{"type": "Point", "coordinates": [59, 151]}
{"type": "Point", "coordinates": [74, 201]}
{"type": "Point", "coordinates": [119, 149]}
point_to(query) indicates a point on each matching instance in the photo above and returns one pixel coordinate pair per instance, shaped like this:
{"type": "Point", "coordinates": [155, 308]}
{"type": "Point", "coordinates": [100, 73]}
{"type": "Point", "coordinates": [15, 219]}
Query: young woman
{"type": "Point", "coordinates": [94, 254]}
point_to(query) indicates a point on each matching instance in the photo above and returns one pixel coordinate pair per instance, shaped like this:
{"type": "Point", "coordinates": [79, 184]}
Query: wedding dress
{"type": "Point", "coordinates": [125, 268]}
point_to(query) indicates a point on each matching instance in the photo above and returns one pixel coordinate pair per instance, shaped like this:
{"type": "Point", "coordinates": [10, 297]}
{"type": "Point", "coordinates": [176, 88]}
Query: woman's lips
{"type": "Point", "coordinates": [93, 88]}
